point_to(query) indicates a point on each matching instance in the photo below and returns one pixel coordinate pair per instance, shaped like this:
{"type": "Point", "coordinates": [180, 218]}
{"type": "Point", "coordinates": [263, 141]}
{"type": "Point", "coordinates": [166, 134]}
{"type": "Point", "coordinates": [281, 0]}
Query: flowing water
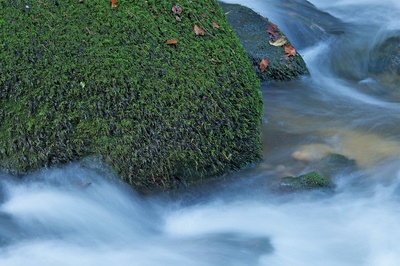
{"type": "Point", "coordinates": [348, 106]}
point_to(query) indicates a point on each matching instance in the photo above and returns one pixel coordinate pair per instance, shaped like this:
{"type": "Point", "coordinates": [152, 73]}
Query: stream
{"type": "Point", "coordinates": [349, 105]}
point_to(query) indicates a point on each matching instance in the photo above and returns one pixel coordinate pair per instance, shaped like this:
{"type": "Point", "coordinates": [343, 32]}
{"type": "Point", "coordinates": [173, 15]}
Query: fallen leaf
{"type": "Point", "coordinates": [80, 1]}
{"type": "Point", "coordinates": [176, 9]}
{"type": "Point", "coordinates": [204, 15]}
{"type": "Point", "coordinates": [271, 32]}
{"type": "Point", "coordinates": [113, 3]}
{"type": "Point", "coordinates": [281, 40]}
{"type": "Point", "coordinates": [272, 27]}
{"type": "Point", "coordinates": [172, 41]}
{"type": "Point", "coordinates": [289, 50]}
{"type": "Point", "coordinates": [215, 25]}
{"type": "Point", "coordinates": [264, 64]}
{"type": "Point", "coordinates": [198, 31]}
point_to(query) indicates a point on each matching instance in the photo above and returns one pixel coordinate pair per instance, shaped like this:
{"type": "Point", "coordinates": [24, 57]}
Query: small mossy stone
{"type": "Point", "coordinates": [308, 181]}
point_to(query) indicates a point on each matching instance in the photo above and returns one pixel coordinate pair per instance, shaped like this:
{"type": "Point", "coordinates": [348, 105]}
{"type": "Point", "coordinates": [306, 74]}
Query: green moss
{"type": "Point", "coordinates": [80, 79]}
{"type": "Point", "coordinates": [311, 180]}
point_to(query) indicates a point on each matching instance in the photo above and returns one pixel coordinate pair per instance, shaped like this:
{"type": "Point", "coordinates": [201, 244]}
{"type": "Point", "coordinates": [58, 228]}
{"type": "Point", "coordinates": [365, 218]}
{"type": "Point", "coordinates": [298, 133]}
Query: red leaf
{"type": "Point", "coordinates": [264, 64]}
{"type": "Point", "coordinates": [204, 15]}
{"type": "Point", "coordinates": [198, 31]}
{"type": "Point", "coordinates": [176, 9]}
{"type": "Point", "coordinates": [289, 50]}
{"type": "Point", "coordinates": [215, 25]}
{"type": "Point", "coordinates": [172, 41]}
{"type": "Point", "coordinates": [113, 3]}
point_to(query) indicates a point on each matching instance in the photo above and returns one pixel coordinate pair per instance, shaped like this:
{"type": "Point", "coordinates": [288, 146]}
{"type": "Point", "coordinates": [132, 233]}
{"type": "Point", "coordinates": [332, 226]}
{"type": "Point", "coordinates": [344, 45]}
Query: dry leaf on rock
{"type": "Point", "coordinates": [198, 31]}
{"type": "Point", "coordinates": [264, 64]}
{"type": "Point", "coordinates": [289, 50]}
{"type": "Point", "coordinates": [172, 41]}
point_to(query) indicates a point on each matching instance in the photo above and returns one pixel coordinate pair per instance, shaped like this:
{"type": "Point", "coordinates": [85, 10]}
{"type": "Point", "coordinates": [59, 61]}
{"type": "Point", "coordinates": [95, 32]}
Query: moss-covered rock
{"type": "Point", "coordinates": [311, 180]}
{"type": "Point", "coordinates": [251, 29]}
{"type": "Point", "coordinates": [80, 79]}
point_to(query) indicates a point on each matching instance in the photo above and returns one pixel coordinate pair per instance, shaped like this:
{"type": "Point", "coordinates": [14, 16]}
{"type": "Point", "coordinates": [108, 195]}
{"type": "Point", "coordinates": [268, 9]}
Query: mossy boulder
{"type": "Point", "coordinates": [251, 29]}
{"type": "Point", "coordinates": [308, 181]}
{"type": "Point", "coordinates": [85, 79]}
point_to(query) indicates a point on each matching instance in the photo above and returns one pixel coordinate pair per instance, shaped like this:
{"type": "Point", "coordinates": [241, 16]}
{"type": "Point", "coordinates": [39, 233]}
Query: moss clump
{"type": "Point", "coordinates": [80, 79]}
{"type": "Point", "coordinates": [308, 181]}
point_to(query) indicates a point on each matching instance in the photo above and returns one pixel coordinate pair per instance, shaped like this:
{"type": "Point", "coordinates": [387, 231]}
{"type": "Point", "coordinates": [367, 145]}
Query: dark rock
{"type": "Point", "coordinates": [251, 29]}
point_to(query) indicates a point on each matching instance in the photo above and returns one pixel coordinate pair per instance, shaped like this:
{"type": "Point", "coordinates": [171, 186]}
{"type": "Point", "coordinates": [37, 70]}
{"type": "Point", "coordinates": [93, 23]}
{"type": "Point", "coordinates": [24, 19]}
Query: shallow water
{"type": "Point", "coordinates": [54, 217]}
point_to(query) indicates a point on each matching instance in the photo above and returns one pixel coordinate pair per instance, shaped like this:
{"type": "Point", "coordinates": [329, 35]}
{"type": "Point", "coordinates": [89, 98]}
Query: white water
{"type": "Point", "coordinates": [49, 219]}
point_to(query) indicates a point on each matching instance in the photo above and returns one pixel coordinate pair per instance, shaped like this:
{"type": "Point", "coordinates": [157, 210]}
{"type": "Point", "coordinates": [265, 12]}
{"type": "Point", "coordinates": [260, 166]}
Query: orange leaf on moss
{"type": "Point", "coordinates": [172, 41]}
{"type": "Point", "coordinates": [176, 9]}
{"type": "Point", "coordinates": [264, 64]}
{"type": "Point", "coordinates": [198, 31]}
{"type": "Point", "coordinates": [113, 3]}
{"type": "Point", "coordinates": [215, 25]}
{"type": "Point", "coordinates": [289, 50]}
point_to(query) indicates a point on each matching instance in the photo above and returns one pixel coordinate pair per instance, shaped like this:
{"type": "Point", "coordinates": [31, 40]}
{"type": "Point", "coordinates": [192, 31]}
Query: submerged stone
{"type": "Point", "coordinates": [334, 164]}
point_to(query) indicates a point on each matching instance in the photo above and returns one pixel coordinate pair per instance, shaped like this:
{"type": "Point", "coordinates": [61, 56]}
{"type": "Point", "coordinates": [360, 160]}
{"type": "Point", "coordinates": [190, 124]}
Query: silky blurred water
{"type": "Point", "coordinates": [77, 216]}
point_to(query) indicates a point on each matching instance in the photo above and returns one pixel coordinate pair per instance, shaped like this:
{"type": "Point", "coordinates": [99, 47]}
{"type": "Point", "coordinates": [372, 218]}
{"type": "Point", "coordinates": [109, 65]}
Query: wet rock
{"type": "Point", "coordinates": [385, 62]}
{"type": "Point", "coordinates": [310, 25]}
{"type": "Point", "coordinates": [251, 29]}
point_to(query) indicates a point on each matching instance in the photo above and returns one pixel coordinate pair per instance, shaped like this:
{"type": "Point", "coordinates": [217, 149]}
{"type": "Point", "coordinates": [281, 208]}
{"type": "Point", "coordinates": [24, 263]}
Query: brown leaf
{"type": "Point", "coordinates": [289, 50]}
{"type": "Point", "coordinates": [176, 9]}
{"type": "Point", "coordinates": [264, 64]}
{"type": "Point", "coordinates": [272, 27]}
{"type": "Point", "coordinates": [172, 41]}
{"type": "Point", "coordinates": [198, 31]}
{"type": "Point", "coordinates": [215, 25]}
